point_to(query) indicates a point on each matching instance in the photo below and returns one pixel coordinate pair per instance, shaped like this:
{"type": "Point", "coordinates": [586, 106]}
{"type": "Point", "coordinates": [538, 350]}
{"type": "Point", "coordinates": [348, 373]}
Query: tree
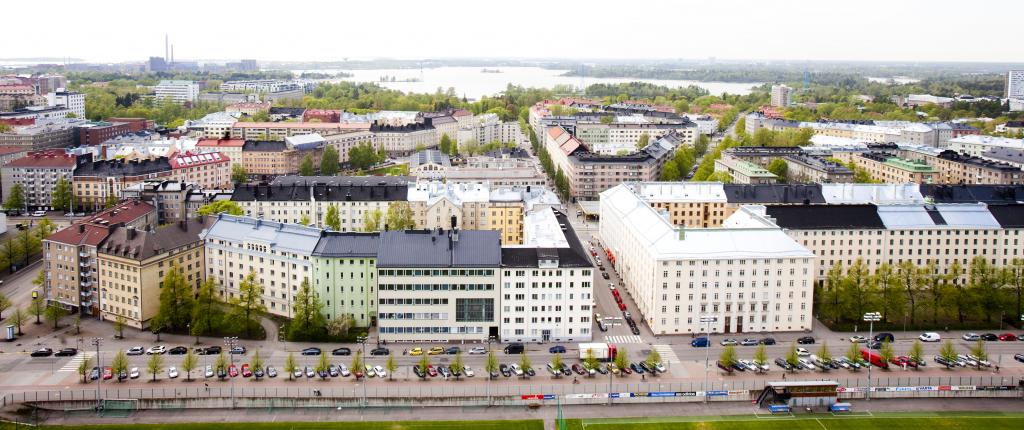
{"type": "Point", "coordinates": [221, 206]}
{"type": "Point", "coordinates": [15, 199]}
{"type": "Point", "coordinates": [824, 354]}
{"type": "Point", "coordinates": [290, 366]}
{"type": "Point", "coordinates": [54, 313]}
{"type": "Point", "coordinates": [18, 318]}
{"type": "Point", "coordinates": [363, 155]}
{"type": "Point", "coordinates": [111, 201]}
{"type": "Point", "coordinates": [526, 366]}
{"type": "Point", "coordinates": [761, 356]}
{"type": "Point", "coordinates": [420, 147]}
{"type": "Point", "coordinates": [119, 365]}
{"type": "Point", "coordinates": [357, 362]}
{"type": "Point", "coordinates": [653, 358]}
{"type": "Point", "coordinates": [728, 357]}
{"type": "Point", "coordinates": [308, 322]}
{"type": "Point", "coordinates": [446, 144]}
{"type": "Point", "coordinates": [1013, 277]}
{"type": "Point", "coordinates": [885, 281]}
{"type": "Point", "coordinates": [155, 365]}
{"type": "Point", "coordinates": [5, 304]}
{"type": "Point", "coordinates": [205, 309]}
{"type": "Point", "coordinates": [858, 288]}
{"type": "Point", "coordinates": [84, 367]}
{"type": "Point", "coordinates": [916, 351]}
{"type": "Point", "coordinates": [979, 352]}
{"type": "Point", "coordinates": [886, 352]}
{"type": "Point", "coordinates": [372, 220]}
{"type": "Point", "coordinates": [643, 141]}
{"type": "Point", "coordinates": [670, 172]}
{"type": "Point", "coordinates": [37, 307]}
{"type": "Point", "coordinates": [190, 363]}
{"type": "Point", "coordinates": [176, 301]}
{"type": "Point", "coordinates": [257, 363]}
{"type": "Point", "coordinates": [322, 364]}
{"type": "Point", "coordinates": [391, 366]}
{"type": "Point", "coordinates": [779, 168]}
{"type": "Point", "coordinates": [61, 197]}
{"type": "Point", "coordinates": [985, 287]}
{"type": "Point", "coordinates": [722, 177]}
{"type": "Point", "coordinates": [621, 360]}
{"type": "Point", "coordinates": [330, 162]}
{"type": "Point", "coordinates": [44, 228]}
{"type": "Point", "coordinates": [119, 327]}
{"type": "Point", "coordinates": [948, 352]}
{"type": "Point", "coordinates": [304, 220]}
{"type": "Point", "coordinates": [30, 245]}
{"type": "Point", "coordinates": [221, 364]}
{"type": "Point", "coordinates": [247, 305]}
{"type": "Point", "coordinates": [458, 367]}
{"type": "Point", "coordinates": [423, 365]}
{"type": "Point", "coordinates": [238, 174]}
{"type": "Point", "coordinates": [700, 147]}
{"type": "Point", "coordinates": [556, 362]}
{"type": "Point", "coordinates": [590, 361]}
{"type": "Point", "coordinates": [306, 167]}
{"type": "Point", "coordinates": [331, 220]}
{"type": "Point", "coordinates": [399, 216]}
{"type": "Point", "coordinates": [340, 325]}
{"type": "Point", "coordinates": [853, 353]}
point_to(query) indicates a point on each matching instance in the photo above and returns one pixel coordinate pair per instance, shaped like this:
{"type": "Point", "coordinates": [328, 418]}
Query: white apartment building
{"type": "Point", "coordinates": [177, 91]}
{"type": "Point", "coordinates": [546, 284]}
{"type": "Point", "coordinates": [278, 253]}
{"type": "Point", "coordinates": [976, 145]}
{"type": "Point", "coordinates": [438, 285]}
{"type": "Point", "coordinates": [748, 273]}
{"type": "Point", "coordinates": [1015, 84]}
{"type": "Point", "coordinates": [73, 101]}
{"type": "Point", "coordinates": [216, 125]}
{"type": "Point", "coordinates": [782, 95]}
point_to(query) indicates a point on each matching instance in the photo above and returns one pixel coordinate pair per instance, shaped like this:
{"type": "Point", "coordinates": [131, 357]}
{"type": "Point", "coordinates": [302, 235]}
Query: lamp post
{"type": "Point", "coordinates": [97, 341]}
{"type": "Point", "coordinates": [230, 343]}
{"type": "Point", "coordinates": [871, 318]}
{"type": "Point", "coordinates": [707, 320]}
{"type": "Point", "coordinates": [362, 340]}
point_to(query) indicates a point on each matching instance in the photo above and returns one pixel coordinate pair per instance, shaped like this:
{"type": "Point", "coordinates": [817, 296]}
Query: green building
{"type": "Point", "coordinates": [344, 275]}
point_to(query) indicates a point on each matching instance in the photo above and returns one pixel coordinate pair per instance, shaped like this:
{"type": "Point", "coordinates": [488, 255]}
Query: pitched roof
{"type": "Point", "coordinates": [1009, 216]}
{"type": "Point", "coordinates": [80, 234]}
{"type": "Point", "coordinates": [336, 244]}
{"type": "Point", "coordinates": [805, 217]}
{"type": "Point", "coordinates": [44, 159]}
{"type": "Point", "coordinates": [192, 159]}
{"type": "Point", "coordinates": [141, 245]}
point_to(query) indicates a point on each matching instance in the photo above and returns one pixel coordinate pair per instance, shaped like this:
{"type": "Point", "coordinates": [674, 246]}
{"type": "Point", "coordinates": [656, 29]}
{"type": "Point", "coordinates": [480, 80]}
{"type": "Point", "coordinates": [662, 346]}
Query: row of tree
{"type": "Point", "coordinates": [18, 247]}
{"type": "Point", "coordinates": [205, 312]}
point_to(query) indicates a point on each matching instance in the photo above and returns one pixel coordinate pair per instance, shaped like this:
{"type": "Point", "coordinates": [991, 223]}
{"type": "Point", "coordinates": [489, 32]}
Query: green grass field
{"type": "Point", "coordinates": [900, 421]}
{"type": "Point", "coordinates": [395, 425]}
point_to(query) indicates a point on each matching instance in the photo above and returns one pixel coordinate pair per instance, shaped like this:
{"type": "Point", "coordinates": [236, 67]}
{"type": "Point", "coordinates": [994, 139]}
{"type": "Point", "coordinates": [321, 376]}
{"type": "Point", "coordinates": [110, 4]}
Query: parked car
{"type": "Point", "coordinates": [379, 370]}
{"type": "Point", "coordinates": [299, 371]}
{"type": "Point", "coordinates": [42, 352]}
{"type": "Point", "coordinates": [636, 368]}
{"type": "Point", "coordinates": [178, 350]}
{"type": "Point", "coordinates": [246, 371]}
{"type": "Point", "coordinates": [343, 371]}
{"type": "Point", "coordinates": [369, 370]}
{"type": "Point", "coordinates": [806, 340]}
{"type": "Point", "coordinates": [514, 348]}
{"type": "Point", "coordinates": [258, 372]}
{"type": "Point", "coordinates": [1019, 357]}
{"type": "Point", "coordinates": [134, 374]}
{"type": "Point", "coordinates": [172, 372]}
{"type": "Point", "coordinates": [136, 350]}
{"type": "Point", "coordinates": [311, 351]}
{"type": "Point", "coordinates": [477, 350]}
{"type": "Point", "coordinates": [208, 372]}
{"type": "Point", "coordinates": [700, 342]}
{"type": "Point", "coordinates": [418, 372]}
{"type": "Point", "coordinates": [990, 337]}
{"type": "Point", "coordinates": [566, 370]}
{"type": "Point", "coordinates": [437, 350]}
{"type": "Point", "coordinates": [767, 341]}
{"type": "Point", "coordinates": [452, 350]}
{"type": "Point", "coordinates": [554, 371]}
{"type": "Point", "coordinates": [885, 337]}
{"type": "Point", "coordinates": [724, 367]}
{"type": "Point", "coordinates": [1007, 337]}
{"type": "Point", "coordinates": [468, 371]}
{"type": "Point", "coordinates": [213, 350]}
{"type": "Point", "coordinates": [431, 370]}
{"type": "Point", "coordinates": [858, 339]}
{"type": "Point", "coordinates": [930, 337]}
{"type": "Point", "coordinates": [380, 350]}
{"type": "Point", "coordinates": [232, 371]}
{"type": "Point", "coordinates": [557, 349]}
{"type": "Point", "coordinates": [971, 337]}
{"type": "Point", "coordinates": [108, 373]}
{"type": "Point", "coordinates": [781, 362]}
{"type": "Point", "coordinates": [237, 350]}
{"type": "Point", "coordinates": [66, 352]}
{"type": "Point", "coordinates": [802, 352]}
{"type": "Point", "coordinates": [605, 275]}
{"type": "Point", "coordinates": [748, 342]}
{"type": "Point", "coordinates": [341, 351]}
{"type": "Point", "coordinates": [158, 349]}
{"type": "Point", "coordinates": [505, 371]}
{"type": "Point", "coordinates": [729, 342]}
{"type": "Point", "coordinates": [310, 372]}
{"type": "Point", "coordinates": [874, 345]}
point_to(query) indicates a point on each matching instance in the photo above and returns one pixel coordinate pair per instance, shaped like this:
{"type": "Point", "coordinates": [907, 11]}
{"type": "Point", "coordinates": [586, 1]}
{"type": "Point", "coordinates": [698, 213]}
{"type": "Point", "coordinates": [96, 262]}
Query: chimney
{"type": "Point", "coordinates": [455, 222]}
{"type": "Point", "coordinates": [131, 233]}
{"type": "Point", "coordinates": [81, 228]}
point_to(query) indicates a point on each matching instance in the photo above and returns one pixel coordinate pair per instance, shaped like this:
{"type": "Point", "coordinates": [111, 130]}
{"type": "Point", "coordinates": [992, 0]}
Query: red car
{"type": "Point", "coordinates": [1007, 337]}
{"type": "Point", "coordinates": [903, 361]}
{"type": "Point", "coordinates": [108, 373]}
{"type": "Point", "coordinates": [622, 306]}
{"type": "Point", "coordinates": [232, 371]}
{"type": "Point", "coordinates": [431, 370]}
{"type": "Point", "coordinates": [626, 370]}
{"type": "Point", "coordinates": [245, 371]}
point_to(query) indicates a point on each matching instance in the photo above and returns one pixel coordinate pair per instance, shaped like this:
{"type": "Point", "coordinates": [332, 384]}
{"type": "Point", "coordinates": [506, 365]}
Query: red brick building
{"type": "Point", "coordinates": [98, 132]}
{"type": "Point", "coordinates": [135, 124]}
{"type": "Point", "coordinates": [324, 115]}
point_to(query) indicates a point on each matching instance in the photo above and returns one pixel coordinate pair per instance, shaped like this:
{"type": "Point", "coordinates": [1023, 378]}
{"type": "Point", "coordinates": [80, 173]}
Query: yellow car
{"type": "Point", "coordinates": [416, 351]}
{"type": "Point", "coordinates": [437, 350]}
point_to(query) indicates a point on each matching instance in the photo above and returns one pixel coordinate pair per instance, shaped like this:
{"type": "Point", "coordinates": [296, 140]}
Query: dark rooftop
{"type": "Point", "coordinates": [140, 244]}
{"type": "Point", "coordinates": [1004, 194]}
{"type": "Point", "coordinates": [1009, 216]}
{"type": "Point", "coordinates": [438, 248]}
{"type": "Point", "coordinates": [342, 180]}
{"type": "Point", "coordinates": [264, 146]}
{"type": "Point", "coordinates": [802, 217]}
{"type": "Point", "coordinates": [359, 191]}
{"type": "Point", "coordinates": [335, 244]}
{"type": "Point", "coordinates": [85, 166]}
{"type": "Point", "coordinates": [774, 193]}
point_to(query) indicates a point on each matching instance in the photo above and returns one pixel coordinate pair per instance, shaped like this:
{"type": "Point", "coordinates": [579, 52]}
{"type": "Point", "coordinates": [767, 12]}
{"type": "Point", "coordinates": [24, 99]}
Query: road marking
{"type": "Point", "coordinates": [821, 424]}
{"type": "Point", "coordinates": [72, 365]}
{"type": "Point", "coordinates": [667, 354]}
{"type": "Point", "coordinates": [624, 339]}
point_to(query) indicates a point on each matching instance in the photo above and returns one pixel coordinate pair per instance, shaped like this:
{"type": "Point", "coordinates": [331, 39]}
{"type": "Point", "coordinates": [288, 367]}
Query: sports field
{"type": "Point", "coordinates": [898, 421]}
{"type": "Point", "coordinates": [394, 425]}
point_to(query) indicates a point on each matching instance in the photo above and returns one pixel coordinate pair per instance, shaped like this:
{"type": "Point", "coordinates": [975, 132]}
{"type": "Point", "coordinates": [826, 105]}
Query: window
{"type": "Point", "coordinates": [474, 310]}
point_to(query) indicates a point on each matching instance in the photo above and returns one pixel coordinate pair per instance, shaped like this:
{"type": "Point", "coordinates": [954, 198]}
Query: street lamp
{"type": "Point", "coordinates": [871, 318]}
{"type": "Point", "coordinates": [97, 341]}
{"type": "Point", "coordinates": [362, 340]}
{"type": "Point", "coordinates": [707, 320]}
{"type": "Point", "coordinates": [230, 343]}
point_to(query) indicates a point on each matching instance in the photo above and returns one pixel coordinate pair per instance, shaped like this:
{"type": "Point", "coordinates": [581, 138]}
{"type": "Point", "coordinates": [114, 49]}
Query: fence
{"type": "Point", "coordinates": [424, 393]}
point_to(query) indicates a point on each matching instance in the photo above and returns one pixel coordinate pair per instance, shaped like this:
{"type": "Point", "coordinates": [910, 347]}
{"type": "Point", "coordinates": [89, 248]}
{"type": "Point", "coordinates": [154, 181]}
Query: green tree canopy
{"type": "Point", "coordinates": [399, 216]}
{"type": "Point", "coordinates": [15, 200]}
{"type": "Point", "coordinates": [331, 219]}
{"type": "Point", "coordinates": [238, 174]}
{"type": "Point", "coordinates": [306, 168]}
{"type": "Point", "coordinates": [308, 321]}
{"type": "Point", "coordinates": [330, 163]}
{"type": "Point", "coordinates": [221, 206]}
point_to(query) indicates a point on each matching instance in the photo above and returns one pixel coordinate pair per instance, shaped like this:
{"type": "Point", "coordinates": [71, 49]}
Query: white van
{"type": "Point", "coordinates": [930, 337]}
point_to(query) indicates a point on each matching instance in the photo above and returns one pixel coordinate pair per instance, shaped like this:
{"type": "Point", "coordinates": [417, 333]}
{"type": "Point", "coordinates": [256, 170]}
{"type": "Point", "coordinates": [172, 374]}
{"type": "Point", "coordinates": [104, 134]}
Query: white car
{"type": "Point", "coordinates": [298, 372]}
{"type": "Point", "coordinates": [858, 339]}
{"type": "Point", "coordinates": [930, 337]}
{"type": "Point", "coordinates": [39, 213]}
{"type": "Point", "coordinates": [134, 374]}
{"type": "Point", "coordinates": [477, 350]}
{"type": "Point", "coordinates": [172, 373]}
{"type": "Point", "coordinates": [159, 349]}
{"type": "Point", "coordinates": [807, 364]}
{"type": "Point", "coordinates": [379, 370]}
{"type": "Point", "coordinates": [802, 352]}
{"type": "Point", "coordinates": [516, 369]}
{"type": "Point", "coordinates": [209, 371]}
{"type": "Point", "coordinates": [468, 371]}
{"type": "Point", "coordinates": [343, 370]}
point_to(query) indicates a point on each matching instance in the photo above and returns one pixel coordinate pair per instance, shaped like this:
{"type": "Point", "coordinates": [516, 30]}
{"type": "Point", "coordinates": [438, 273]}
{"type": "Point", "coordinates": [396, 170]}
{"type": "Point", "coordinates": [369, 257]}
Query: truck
{"type": "Point", "coordinates": [602, 351]}
{"type": "Point", "coordinates": [874, 359]}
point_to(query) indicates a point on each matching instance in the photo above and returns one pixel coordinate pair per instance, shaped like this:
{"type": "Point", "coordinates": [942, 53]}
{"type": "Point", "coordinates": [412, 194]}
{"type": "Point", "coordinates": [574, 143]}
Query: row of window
{"type": "Point", "coordinates": [431, 330]}
{"type": "Point", "coordinates": [437, 272]}
{"type": "Point", "coordinates": [436, 287]}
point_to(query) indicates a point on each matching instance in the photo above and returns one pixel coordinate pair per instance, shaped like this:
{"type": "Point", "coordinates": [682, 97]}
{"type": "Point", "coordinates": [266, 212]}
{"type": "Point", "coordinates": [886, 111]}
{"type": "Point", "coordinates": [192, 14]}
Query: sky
{"type": "Point", "coordinates": [321, 30]}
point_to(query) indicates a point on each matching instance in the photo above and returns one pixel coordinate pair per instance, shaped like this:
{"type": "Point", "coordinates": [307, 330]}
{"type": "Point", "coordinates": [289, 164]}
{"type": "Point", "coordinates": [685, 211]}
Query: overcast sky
{"type": "Point", "coordinates": [883, 30]}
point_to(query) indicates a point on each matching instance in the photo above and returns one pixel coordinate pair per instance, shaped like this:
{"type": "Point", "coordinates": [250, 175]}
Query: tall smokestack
{"type": "Point", "coordinates": [172, 54]}
{"type": "Point", "coordinates": [167, 44]}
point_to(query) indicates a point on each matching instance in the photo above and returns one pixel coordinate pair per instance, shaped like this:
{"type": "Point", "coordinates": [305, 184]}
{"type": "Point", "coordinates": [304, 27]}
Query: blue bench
{"type": "Point", "coordinates": [841, 407]}
{"type": "Point", "coordinates": [775, 409]}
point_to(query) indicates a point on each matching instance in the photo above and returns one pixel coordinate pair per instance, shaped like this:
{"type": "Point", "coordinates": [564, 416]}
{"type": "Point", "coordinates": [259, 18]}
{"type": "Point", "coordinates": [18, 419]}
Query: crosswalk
{"type": "Point", "coordinates": [667, 354]}
{"type": "Point", "coordinates": [624, 339]}
{"type": "Point", "coordinates": [72, 365]}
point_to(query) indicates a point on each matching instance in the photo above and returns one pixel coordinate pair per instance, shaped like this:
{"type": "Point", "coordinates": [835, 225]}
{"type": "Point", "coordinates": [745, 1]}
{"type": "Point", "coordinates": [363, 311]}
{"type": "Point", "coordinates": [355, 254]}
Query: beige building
{"type": "Point", "coordinates": [280, 130]}
{"type": "Point", "coordinates": [132, 264]}
{"type": "Point", "coordinates": [890, 169]}
{"type": "Point", "coordinates": [476, 207]}
{"type": "Point", "coordinates": [958, 168]}
{"type": "Point", "coordinates": [232, 148]}
{"type": "Point", "coordinates": [345, 141]}
{"type": "Point", "coordinates": [744, 172]}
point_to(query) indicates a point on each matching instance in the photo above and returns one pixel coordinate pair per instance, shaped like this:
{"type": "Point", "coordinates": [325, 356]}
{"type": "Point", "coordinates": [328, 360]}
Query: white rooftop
{"type": "Point", "coordinates": [541, 230]}
{"type": "Point", "coordinates": [680, 191]}
{"type": "Point", "coordinates": [975, 215]}
{"type": "Point", "coordinates": [879, 194]}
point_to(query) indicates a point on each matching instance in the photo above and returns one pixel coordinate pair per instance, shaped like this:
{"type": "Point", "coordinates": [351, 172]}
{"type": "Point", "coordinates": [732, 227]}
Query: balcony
{"type": "Point", "coordinates": [85, 294]}
{"type": "Point", "coordinates": [84, 263]}
{"type": "Point", "coordinates": [83, 254]}
{"type": "Point", "coordinates": [86, 283]}
{"type": "Point", "coordinates": [86, 303]}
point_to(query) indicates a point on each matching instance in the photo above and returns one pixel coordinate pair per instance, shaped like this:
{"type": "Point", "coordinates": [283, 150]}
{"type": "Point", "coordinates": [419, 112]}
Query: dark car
{"type": "Point", "coordinates": [1019, 357]}
{"type": "Point", "coordinates": [700, 342]}
{"type": "Point", "coordinates": [875, 344]}
{"type": "Point", "coordinates": [990, 337]}
{"type": "Point", "coordinates": [514, 348]}
{"type": "Point", "coordinates": [311, 351]}
{"type": "Point", "coordinates": [178, 350]}
{"type": "Point", "coordinates": [557, 349]}
{"type": "Point", "coordinates": [452, 350]}
{"type": "Point", "coordinates": [636, 368]}
{"type": "Point", "coordinates": [419, 373]}
{"type": "Point", "coordinates": [341, 351]}
{"type": "Point", "coordinates": [783, 364]}
{"type": "Point", "coordinates": [213, 350]}
{"type": "Point", "coordinates": [42, 352]}
{"type": "Point", "coordinates": [94, 374]}
{"type": "Point", "coordinates": [604, 275]}
{"type": "Point", "coordinates": [885, 337]}
{"type": "Point", "coordinates": [636, 331]}
{"type": "Point", "coordinates": [505, 371]}
{"type": "Point", "coordinates": [647, 368]}
{"type": "Point", "coordinates": [66, 352]}
{"type": "Point", "coordinates": [806, 340]}
{"type": "Point", "coordinates": [767, 341]}
{"type": "Point", "coordinates": [380, 351]}
{"type": "Point", "coordinates": [566, 370]}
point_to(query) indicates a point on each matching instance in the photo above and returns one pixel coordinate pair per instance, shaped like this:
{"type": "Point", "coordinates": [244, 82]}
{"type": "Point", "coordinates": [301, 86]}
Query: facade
{"type": "Point", "coordinates": [279, 254]}
{"type": "Point", "coordinates": [73, 101]}
{"type": "Point", "coordinates": [210, 170]}
{"type": "Point", "coordinates": [438, 285]}
{"type": "Point", "coordinates": [975, 145]}
{"type": "Point", "coordinates": [95, 181]}
{"type": "Point", "coordinates": [170, 199]}
{"type": "Point", "coordinates": [807, 169]}
{"type": "Point", "coordinates": [344, 142]}
{"type": "Point", "coordinates": [96, 132]}
{"type": "Point", "coordinates": [38, 173]}
{"type": "Point", "coordinates": [748, 273]}
{"type": "Point", "coordinates": [248, 108]}
{"type": "Point", "coordinates": [231, 148]}
{"type": "Point", "coordinates": [403, 140]}
{"type": "Point", "coordinates": [744, 172]}
{"type": "Point", "coordinates": [45, 133]}
{"type": "Point", "coordinates": [132, 264]}
{"type": "Point", "coordinates": [782, 95]}
{"type": "Point", "coordinates": [429, 164]}
{"type": "Point", "coordinates": [265, 157]}
{"type": "Point", "coordinates": [216, 125]}
{"type": "Point", "coordinates": [345, 275]}
{"type": "Point", "coordinates": [956, 168]}
{"type": "Point", "coordinates": [280, 130]}
{"type": "Point", "coordinates": [70, 255]}
{"type": "Point", "coordinates": [888, 168]}
{"type": "Point", "coordinates": [177, 91]}
{"type": "Point", "coordinates": [1015, 84]}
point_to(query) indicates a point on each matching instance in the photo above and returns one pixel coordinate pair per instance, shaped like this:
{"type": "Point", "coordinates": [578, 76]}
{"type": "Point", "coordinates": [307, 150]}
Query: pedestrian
{"type": "Point", "coordinates": [643, 377]}
{"type": "Point", "coordinates": [783, 376]}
